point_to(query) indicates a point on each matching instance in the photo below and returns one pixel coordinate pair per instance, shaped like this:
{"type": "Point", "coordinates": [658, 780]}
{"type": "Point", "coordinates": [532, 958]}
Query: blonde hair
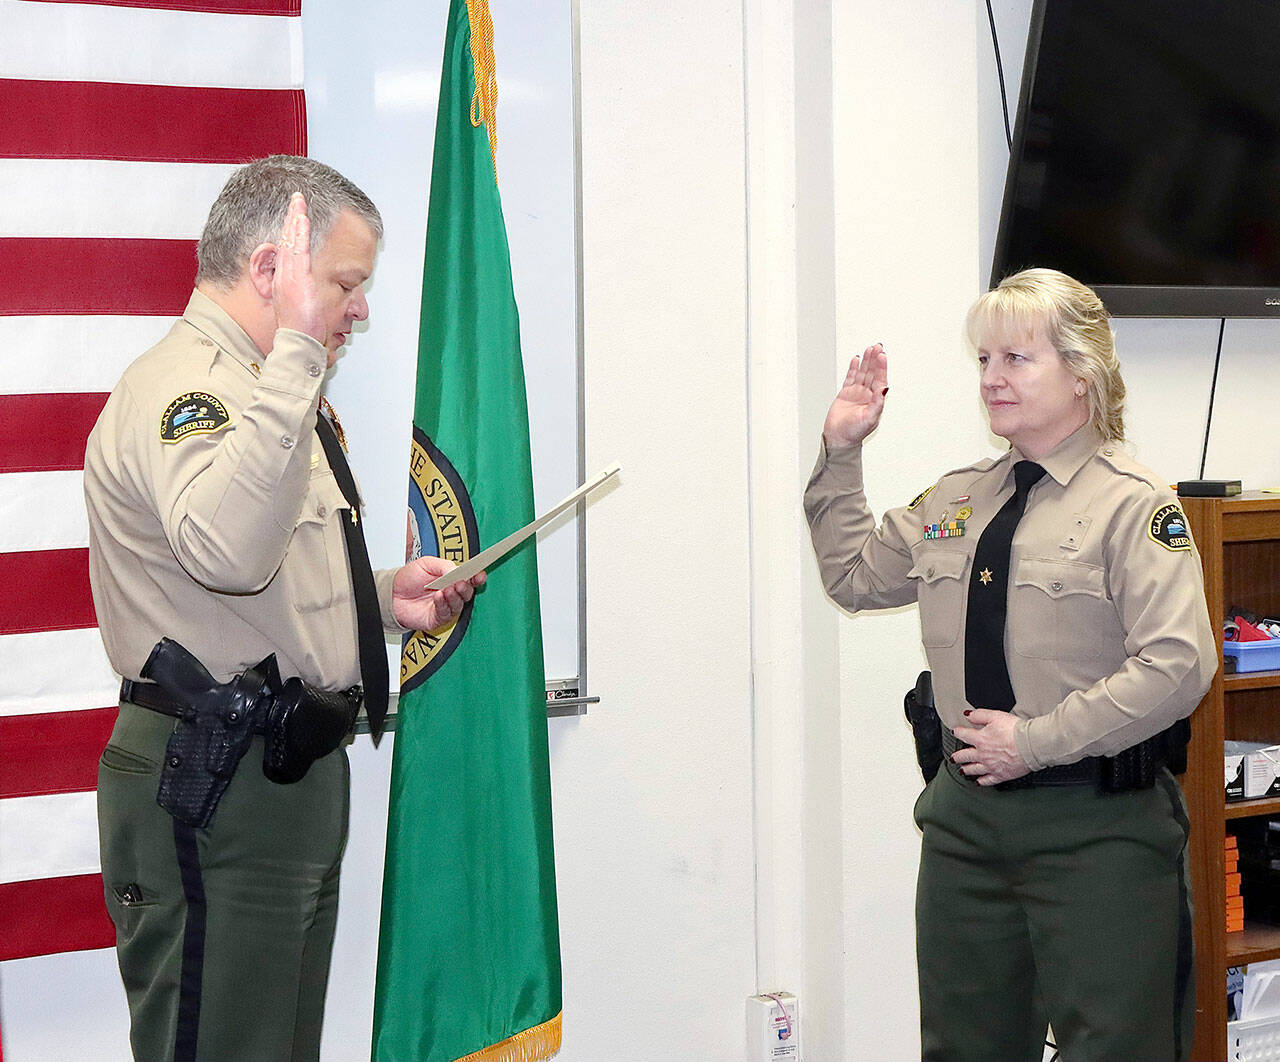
{"type": "Point", "coordinates": [1044, 302]}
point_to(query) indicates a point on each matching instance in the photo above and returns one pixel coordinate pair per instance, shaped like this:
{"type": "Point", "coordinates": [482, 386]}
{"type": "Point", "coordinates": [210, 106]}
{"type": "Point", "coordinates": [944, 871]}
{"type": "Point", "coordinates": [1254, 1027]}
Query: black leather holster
{"type": "Point", "coordinates": [213, 732]}
{"type": "Point", "coordinates": [926, 727]}
{"type": "Point", "coordinates": [302, 724]}
{"type": "Point", "coordinates": [217, 721]}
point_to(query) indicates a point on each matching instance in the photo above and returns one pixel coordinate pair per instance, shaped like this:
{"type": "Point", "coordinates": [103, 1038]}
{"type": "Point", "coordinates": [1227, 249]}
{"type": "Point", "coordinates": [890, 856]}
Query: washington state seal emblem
{"type": "Point", "coordinates": [441, 524]}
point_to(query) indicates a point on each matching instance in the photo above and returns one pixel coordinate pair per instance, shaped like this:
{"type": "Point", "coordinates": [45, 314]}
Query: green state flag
{"type": "Point", "coordinates": [469, 954]}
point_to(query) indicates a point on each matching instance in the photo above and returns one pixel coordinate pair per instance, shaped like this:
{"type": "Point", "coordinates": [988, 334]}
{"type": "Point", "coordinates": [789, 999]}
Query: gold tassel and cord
{"type": "Point", "coordinates": [533, 1045]}
{"type": "Point", "coordinates": [484, 104]}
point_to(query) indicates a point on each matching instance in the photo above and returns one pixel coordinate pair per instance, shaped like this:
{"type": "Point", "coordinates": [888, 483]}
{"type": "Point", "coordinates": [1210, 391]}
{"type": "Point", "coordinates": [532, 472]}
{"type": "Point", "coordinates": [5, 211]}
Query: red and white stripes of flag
{"type": "Point", "coordinates": [123, 119]}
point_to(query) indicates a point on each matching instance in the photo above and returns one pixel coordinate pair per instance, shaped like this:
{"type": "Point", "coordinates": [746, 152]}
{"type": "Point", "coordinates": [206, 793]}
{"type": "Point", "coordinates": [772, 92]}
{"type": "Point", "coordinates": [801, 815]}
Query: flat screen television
{"type": "Point", "coordinates": [1146, 158]}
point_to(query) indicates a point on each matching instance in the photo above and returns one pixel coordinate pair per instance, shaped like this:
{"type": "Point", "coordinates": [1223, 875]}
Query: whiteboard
{"type": "Point", "coordinates": [375, 121]}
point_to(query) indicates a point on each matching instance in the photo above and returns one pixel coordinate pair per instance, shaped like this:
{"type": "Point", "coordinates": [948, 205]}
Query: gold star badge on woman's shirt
{"type": "Point", "coordinates": [985, 576]}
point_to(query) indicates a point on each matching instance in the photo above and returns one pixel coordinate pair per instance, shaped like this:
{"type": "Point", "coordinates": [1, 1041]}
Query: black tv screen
{"type": "Point", "coordinates": [1146, 159]}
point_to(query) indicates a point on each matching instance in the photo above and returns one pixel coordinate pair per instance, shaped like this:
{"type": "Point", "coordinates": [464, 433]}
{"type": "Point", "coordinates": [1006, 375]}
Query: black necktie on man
{"type": "Point", "coordinates": [373, 652]}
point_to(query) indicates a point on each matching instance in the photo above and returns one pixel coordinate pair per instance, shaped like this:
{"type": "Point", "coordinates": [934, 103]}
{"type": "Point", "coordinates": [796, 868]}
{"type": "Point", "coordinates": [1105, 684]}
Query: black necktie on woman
{"type": "Point", "coordinates": [373, 650]}
{"type": "Point", "coordinates": [986, 672]}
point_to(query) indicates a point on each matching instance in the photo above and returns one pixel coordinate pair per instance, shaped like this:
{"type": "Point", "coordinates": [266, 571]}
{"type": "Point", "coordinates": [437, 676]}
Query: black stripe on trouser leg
{"type": "Point", "coordinates": [1186, 941]}
{"type": "Point", "coordinates": [189, 984]}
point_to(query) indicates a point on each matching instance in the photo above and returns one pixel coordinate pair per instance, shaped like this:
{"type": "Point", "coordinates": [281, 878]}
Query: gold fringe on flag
{"type": "Point", "coordinates": [484, 104]}
{"type": "Point", "coordinates": [533, 1045]}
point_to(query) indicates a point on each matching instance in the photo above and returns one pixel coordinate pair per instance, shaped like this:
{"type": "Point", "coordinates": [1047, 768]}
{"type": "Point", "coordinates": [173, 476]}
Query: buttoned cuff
{"type": "Point", "coordinates": [844, 462]}
{"type": "Point", "coordinates": [1022, 735]}
{"type": "Point", "coordinates": [383, 580]}
{"type": "Point", "coordinates": [296, 364]}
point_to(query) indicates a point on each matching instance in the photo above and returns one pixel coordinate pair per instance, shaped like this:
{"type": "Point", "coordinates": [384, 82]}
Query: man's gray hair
{"type": "Point", "coordinates": [251, 209]}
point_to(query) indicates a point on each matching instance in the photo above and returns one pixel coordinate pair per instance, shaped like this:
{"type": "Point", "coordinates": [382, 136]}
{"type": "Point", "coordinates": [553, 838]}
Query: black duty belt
{"type": "Point", "coordinates": [151, 696]}
{"type": "Point", "coordinates": [1083, 772]}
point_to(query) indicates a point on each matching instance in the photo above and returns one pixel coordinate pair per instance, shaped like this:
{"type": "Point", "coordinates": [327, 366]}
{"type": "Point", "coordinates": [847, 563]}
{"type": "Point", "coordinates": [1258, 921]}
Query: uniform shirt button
{"type": "Point", "coordinates": [313, 370]}
{"type": "Point", "coordinates": [929, 573]}
{"type": "Point", "coordinates": [287, 441]}
{"type": "Point", "coordinates": [321, 511]}
{"type": "Point", "coordinates": [206, 342]}
{"type": "Point", "coordinates": [1056, 586]}
{"type": "Point", "coordinates": [1108, 453]}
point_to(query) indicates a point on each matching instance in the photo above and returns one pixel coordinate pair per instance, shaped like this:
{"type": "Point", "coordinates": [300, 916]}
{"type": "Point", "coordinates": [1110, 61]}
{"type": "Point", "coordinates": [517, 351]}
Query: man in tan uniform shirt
{"type": "Point", "coordinates": [214, 521]}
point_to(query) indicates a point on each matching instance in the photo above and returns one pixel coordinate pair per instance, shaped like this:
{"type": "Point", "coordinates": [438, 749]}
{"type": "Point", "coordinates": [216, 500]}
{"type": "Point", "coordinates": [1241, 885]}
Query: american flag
{"type": "Point", "coordinates": [122, 121]}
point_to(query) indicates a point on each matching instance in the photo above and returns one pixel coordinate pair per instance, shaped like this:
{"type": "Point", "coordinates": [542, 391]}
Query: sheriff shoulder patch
{"type": "Point", "coordinates": [920, 497]}
{"type": "Point", "coordinates": [195, 413]}
{"type": "Point", "coordinates": [1169, 528]}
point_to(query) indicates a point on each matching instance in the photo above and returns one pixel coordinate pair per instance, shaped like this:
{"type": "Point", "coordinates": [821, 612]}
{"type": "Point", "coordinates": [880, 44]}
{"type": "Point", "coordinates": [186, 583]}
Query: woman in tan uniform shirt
{"type": "Point", "coordinates": [1042, 897]}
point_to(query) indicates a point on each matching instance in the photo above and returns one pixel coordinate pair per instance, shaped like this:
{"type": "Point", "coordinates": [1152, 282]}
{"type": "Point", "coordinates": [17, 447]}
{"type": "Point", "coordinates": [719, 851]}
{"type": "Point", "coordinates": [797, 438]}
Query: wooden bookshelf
{"type": "Point", "coordinates": [1239, 543]}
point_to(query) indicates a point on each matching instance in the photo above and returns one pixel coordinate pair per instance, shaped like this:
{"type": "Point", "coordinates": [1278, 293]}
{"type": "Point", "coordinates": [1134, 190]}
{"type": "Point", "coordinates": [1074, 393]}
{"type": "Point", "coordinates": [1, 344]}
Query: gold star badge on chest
{"type": "Point", "coordinates": [985, 576]}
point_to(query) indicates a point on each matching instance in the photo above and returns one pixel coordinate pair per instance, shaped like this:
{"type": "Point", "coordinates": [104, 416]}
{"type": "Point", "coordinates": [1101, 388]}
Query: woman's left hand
{"type": "Point", "coordinates": [994, 757]}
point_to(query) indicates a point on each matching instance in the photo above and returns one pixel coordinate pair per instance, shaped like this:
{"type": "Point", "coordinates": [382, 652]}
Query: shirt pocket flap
{"type": "Point", "coordinates": [938, 564]}
{"type": "Point", "coordinates": [323, 499]}
{"type": "Point", "coordinates": [941, 592]}
{"type": "Point", "coordinates": [1059, 579]}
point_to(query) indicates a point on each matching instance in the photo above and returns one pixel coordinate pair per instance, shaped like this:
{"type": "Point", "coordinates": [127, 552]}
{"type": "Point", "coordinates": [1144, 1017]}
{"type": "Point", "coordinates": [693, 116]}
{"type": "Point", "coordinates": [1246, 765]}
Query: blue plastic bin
{"type": "Point", "coordinates": [1254, 656]}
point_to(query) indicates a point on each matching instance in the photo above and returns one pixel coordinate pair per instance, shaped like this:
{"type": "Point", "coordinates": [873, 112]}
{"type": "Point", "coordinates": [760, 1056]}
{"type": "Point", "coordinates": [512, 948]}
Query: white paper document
{"type": "Point", "coordinates": [486, 557]}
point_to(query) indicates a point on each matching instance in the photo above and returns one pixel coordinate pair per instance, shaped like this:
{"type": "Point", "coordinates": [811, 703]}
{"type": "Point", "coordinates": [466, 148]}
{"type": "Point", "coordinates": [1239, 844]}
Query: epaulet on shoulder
{"type": "Point", "coordinates": [1114, 454]}
{"type": "Point", "coordinates": [976, 466]}
{"type": "Point", "coordinates": [177, 353]}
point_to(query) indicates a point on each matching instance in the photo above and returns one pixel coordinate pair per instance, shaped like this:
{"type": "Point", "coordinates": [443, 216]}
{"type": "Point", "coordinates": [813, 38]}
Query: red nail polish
{"type": "Point", "coordinates": [968, 711]}
{"type": "Point", "coordinates": [884, 392]}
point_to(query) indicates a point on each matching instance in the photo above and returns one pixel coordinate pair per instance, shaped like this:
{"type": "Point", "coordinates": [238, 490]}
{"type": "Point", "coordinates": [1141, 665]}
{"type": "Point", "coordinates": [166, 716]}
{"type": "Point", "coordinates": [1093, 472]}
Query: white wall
{"type": "Point", "coordinates": [653, 788]}
{"type": "Point", "coordinates": [906, 166]}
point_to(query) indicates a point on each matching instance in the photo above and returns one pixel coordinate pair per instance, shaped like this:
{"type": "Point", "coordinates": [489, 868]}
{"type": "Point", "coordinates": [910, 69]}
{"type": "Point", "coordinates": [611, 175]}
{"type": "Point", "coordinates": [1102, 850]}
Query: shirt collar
{"type": "Point", "coordinates": [207, 317]}
{"type": "Point", "coordinates": [1068, 457]}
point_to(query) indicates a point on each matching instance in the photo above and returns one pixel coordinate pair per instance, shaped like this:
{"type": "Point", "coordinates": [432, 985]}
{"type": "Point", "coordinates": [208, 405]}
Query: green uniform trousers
{"type": "Point", "coordinates": [1054, 905]}
{"type": "Point", "coordinates": [223, 934]}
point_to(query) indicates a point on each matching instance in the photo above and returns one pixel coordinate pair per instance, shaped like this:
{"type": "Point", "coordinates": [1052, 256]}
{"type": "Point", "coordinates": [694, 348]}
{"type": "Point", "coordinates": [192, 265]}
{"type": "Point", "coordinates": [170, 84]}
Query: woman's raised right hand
{"type": "Point", "coordinates": [858, 405]}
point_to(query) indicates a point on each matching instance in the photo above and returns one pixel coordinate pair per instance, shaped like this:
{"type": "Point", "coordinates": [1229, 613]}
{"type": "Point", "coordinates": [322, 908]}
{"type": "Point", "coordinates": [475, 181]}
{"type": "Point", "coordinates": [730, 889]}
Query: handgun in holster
{"type": "Point", "coordinates": [300, 723]}
{"type": "Point", "coordinates": [217, 724]}
{"type": "Point", "coordinates": [926, 727]}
